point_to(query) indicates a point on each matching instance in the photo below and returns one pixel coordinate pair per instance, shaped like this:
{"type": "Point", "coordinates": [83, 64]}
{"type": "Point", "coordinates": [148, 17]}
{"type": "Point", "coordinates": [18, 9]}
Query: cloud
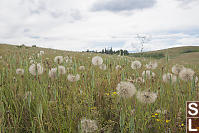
{"type": "Point", "coordinates": [70, 25]}
{"type": "Point", "coordinates": [186, 4]}
{"type": "Point", "coordinates": [122, 5]}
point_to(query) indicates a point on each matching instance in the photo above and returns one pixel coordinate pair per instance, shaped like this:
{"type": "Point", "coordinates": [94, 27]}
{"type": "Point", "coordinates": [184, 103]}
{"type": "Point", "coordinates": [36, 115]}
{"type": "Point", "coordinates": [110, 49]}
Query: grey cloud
{"type": "Point", "coordinates": [187, 3]}
{"type": "Point", "coordinates": [122, 5]}
{"type": "Point", "coordinates": [75, 14]}
{"type": "Point", "coordinates": [53, 10]}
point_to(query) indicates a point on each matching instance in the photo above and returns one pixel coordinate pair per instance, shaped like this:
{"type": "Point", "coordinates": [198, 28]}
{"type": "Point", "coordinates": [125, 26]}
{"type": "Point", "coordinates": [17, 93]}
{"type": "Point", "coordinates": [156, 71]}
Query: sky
{"type": "Point", "coordinates": [79, 25]}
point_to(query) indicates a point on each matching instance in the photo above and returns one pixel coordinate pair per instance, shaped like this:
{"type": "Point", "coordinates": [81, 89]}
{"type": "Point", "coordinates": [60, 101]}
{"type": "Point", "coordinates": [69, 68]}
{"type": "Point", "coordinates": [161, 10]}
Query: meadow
{"type": "Point", "coordinates": [46, 90]}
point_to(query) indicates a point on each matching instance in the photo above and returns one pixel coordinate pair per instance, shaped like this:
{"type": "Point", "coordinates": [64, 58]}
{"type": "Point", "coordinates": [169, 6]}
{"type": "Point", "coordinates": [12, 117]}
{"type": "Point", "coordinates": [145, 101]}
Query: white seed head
{"type": "Point", "coordinates": [136, 65]}
{"type": "Point", "coordinates": [176, 69]}
{"type": "Point", "coordinates": [36, 69]}
{"type": "Point", "coordinates": [19, 71]}
{"type": "Point", "coordinates": [149, 74]}
{"type": "Point", "coordinates": [97, 60]}
{"type": "Point", "coordinates": [167, 77]}
{"type": "Point", "coordinates": [196, 79]}
{"type": "Point", "coordinates": [53, 73]}
{"type": "Point", "coordinates": [41, 52]}
{"type": "Point", "coordinates": [186, 74]}
{"type": "Point", "coordinates": [140, 80]}
{"type": "Point", "coordinates": [118, 67]}
{"type": "Point", "coordinates": [146, 97]}
{"type": "Point", "coordinates": [68, 59]}
{"type": "Point", "coordinates": [32, 61]}
{"type": "Point", "coordinates": [126, 89]}
{"type": "Point", "coordinates": [159, 111]}
{"type": "Point", "coordinates": [61, 70]}
{"type": "Point", "coordinates": [73, 78]}
{"type": "Point", "coordinates": [88, 125]}
{"type": "Point", "coordinates": [152, 65]}
{"type": "Point", "coordinates": [58, 59]}
{"type": "Point", "coordinates": [81, 68]}
{"type": "Point", "coordinates": [103, 67]}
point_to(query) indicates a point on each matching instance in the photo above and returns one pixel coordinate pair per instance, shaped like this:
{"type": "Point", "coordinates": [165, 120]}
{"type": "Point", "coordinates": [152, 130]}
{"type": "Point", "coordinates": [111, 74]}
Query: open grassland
{"type": "Point", "coordinates": [182, 55]}
{"type": "Point", "coordinates": [111, 98]}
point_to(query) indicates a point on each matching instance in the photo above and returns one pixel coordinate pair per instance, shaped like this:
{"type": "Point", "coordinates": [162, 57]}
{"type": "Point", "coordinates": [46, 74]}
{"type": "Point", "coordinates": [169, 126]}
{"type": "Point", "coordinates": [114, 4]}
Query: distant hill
{"type": "Point", "coordinates": [184, 55]}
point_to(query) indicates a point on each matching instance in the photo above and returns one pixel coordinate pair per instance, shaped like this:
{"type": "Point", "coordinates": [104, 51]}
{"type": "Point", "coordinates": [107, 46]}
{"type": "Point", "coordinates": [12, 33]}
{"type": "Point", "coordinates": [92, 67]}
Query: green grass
{"type": "Point", "coordinates": [59, 105]}
{"type": "Point", "coordinates": [149, 55]}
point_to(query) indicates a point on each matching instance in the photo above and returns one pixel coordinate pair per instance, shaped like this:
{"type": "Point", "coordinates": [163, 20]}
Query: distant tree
{"type": "Point", "coordinates": [111, 51]}
{"type": "Point", "coordinates": [102, 51]}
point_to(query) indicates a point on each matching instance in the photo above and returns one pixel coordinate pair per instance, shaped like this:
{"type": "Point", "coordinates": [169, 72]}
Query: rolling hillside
{"type": "Point", "coordinates": [183, 55]}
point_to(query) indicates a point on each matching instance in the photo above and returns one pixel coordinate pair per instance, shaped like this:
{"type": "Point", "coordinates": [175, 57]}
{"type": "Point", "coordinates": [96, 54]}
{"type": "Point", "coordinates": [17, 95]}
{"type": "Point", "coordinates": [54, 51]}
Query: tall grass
{"type": "Point", "coordinates": [59, 105]}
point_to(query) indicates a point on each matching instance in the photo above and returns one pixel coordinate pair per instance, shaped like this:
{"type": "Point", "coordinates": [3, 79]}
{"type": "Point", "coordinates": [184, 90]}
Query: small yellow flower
{"type": "Point", "coordinates": [158, 120]}
{"type": "Point", "coordinates": [153, 116]}
{"type": "Point", "coordinates": [114, 93]}
{"type": "Point", "coordinates": [93, 108]}
{"type": "Point", "coordinates": [107, 94]}
{"type": "Point", "coordinates": [182, 124]}
{"type": "Point", "coordinates": [167, 121]}
{"type": "Point", "coordinates": [156, 114]}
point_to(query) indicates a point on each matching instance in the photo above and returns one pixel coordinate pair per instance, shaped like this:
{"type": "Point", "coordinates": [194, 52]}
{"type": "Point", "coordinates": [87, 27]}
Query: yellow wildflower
{"type": "Point", "coordinates": [167, 121]}
{"type": "Point", "coordinates": [114, 93]}
{"type": "Point", "coordinates": [158, 120]}
{"type": "Point", "coordinates": [93, 108]}
{"type": "Point", "coordinates": [107, 94]}
{"type": "Point", "coordinates": [153, 116]}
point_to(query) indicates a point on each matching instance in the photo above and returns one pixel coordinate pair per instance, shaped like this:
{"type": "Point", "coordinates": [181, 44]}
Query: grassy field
{"type": "Point", "coordinates": [94, 102]}
{"type": "Point", "coordinates": [182, 55]}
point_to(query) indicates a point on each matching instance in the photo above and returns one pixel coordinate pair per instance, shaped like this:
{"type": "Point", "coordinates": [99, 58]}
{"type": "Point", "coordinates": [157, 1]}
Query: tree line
{"type": "Point", "coordinates": [110, 51]}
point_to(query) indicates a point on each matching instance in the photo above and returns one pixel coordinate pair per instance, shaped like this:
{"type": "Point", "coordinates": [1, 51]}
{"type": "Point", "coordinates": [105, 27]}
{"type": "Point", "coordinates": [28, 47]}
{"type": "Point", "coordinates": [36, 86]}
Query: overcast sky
{"type": "Point", "coordinates": [94, 24]}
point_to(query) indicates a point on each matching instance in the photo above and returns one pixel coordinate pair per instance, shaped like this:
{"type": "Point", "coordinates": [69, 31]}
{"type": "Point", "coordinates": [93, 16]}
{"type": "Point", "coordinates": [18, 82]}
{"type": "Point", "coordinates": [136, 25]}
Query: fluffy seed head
{"type": "Point", "coordinates": [136, 65]}
{"type": "Point", "coordinates": [139, 80]}
{"type": "Point", "coordinates": [186, 74]}
{"type": "Point", "coordinates": [126, 89]}
{"type": "Point", "coordinates": [97, 60]}
{"type": "Point", "coordinates": [58, 59]}
{"type": "Point", "coordinates": [53, 73]}
{"type": "Point", "coordinates": [176, 69]}
{"type": "Point", "coordinates": [68, 59]}
{"type": "Point", "coordinates": [61, 70]}
{"type": "Point", "coordinates": [159, 111]}
{"type": "Point", "coordinates": [149, 74]}
{"type": "Point", "coordinates": [102, 67]}
{"type": "Point", "coordinates": [88, 125]}
{"type": "Point", "coordinates": [73, 78]}
{"type": "Point", "coordinates": [152, 65]}
{"type": "Point", "coordinates": [41, 52]}
{"type": "Point", "coordinates": [19, 71]}
{"type": "Point", "coordinates": [36, 69]}
{"type": "Point", "coordinates": [118, 67]}
{"type": "Point", "coordinates": [81, 68]}
{"type": "Point", "coordinates": [146, 97]}
{"type": "Point", "coordinates": [167, 77]}
{"type": "Point", "coordinates": [196, 79]}
{"type": "Point", "coordinates": [32, 61]}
